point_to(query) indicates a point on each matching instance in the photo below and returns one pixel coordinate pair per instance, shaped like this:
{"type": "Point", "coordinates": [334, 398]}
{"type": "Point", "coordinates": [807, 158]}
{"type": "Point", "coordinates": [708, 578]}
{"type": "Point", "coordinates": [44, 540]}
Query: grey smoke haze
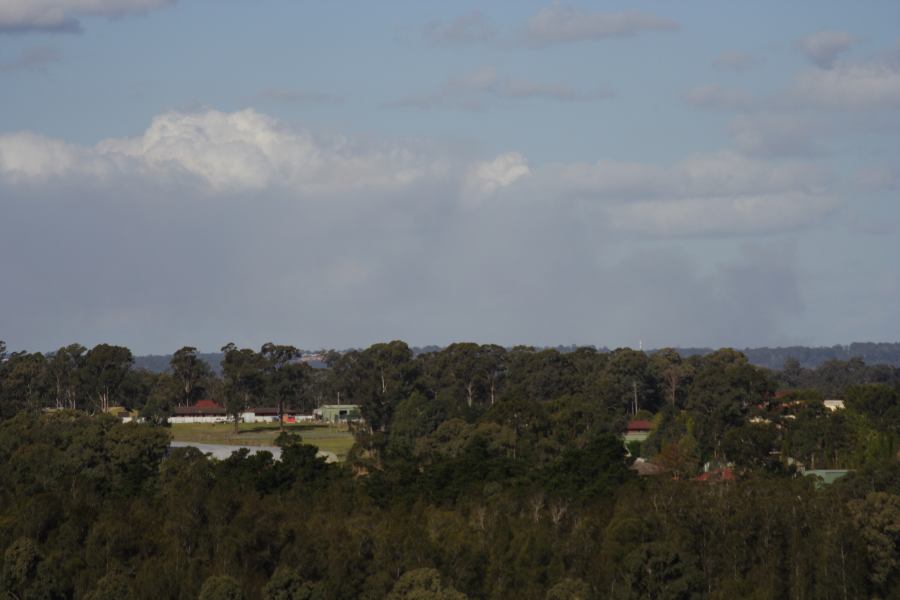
{"type": "Point", "coordinates": [493, 251]}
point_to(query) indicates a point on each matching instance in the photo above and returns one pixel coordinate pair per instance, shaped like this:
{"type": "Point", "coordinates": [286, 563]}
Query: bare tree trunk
{"type": "Point", "coordinates": [537, 504]}
{"type": "Point", "coordinates": [558, 510]}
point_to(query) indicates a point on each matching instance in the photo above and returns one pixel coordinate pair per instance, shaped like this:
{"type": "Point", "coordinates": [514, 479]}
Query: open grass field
{"type": "Point", "coordinates": [324, 437]}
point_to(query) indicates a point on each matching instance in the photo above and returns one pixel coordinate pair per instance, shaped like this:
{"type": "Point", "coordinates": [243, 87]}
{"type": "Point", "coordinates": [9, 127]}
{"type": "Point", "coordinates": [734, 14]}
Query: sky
{"type": "Point", "coordinates": [334, 174]}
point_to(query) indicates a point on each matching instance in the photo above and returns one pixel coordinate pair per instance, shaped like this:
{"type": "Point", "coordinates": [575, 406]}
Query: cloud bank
{"type": "Point", "coordinates": [824, 47]}
{"type": "Point", "coordinates": [211, 226]}
{"type": "Point", "coordinates": [19, 16]}
{"type": "Point", "coordinates": [471, 27]}
{"type": "Point", "coordinates": [476, 89]}
{"type": "Point", "coordinates": [561, 23]}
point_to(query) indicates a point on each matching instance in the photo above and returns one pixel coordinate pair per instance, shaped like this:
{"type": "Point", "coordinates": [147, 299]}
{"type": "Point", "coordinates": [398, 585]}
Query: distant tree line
{"type": "Point", "coordinates": [809, 357]}
{"type": "Point", "coordinates": [480, 472]}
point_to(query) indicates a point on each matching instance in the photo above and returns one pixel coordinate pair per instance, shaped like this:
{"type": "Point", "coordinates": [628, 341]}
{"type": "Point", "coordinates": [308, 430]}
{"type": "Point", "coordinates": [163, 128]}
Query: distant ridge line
{"type": "Point", "coordinates": [809, 357]}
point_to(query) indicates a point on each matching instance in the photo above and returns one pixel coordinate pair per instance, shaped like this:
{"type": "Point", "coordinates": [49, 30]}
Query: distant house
{"type": "Point", "coordinates": [204, 411]}
{"type": "Point", "coordinates": [260, 415]}
{"type": "Point", "coordinates": [716, 474]}
{"type": "Point", "coordinates": [833, 405]}
{"type": "Point", "coordinates": [825, 476]}
{"type": "Point", "coordinates": [637, 431]}
{"type": "Point", "coordinates": [269, 414]}
{"type": "Point", "coordinates": [645, 468]}
{"type": "Point", "coordinates": [338, 413]}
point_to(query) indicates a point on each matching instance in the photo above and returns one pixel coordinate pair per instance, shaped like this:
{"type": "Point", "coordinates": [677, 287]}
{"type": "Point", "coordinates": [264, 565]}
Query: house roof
{"type": "Point", "coordinates": [207, 404]}
{"type": "Point", "coordinates": [202, 408]}
{"type": "Point", "coordinates": [645, 468]}
{"type": "Point", "coordinates": [725, 474]}
{"type": "Point", "coordinates": [639, 425]}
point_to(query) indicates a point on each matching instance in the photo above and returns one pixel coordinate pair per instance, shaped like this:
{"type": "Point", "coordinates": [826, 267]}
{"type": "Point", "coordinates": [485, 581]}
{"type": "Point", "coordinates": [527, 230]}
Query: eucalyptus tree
{"type": "Point", "coordinates": [190, 371]}
{"type": "Point", "coordinates": [24, 382]}
{"type": "Point", "coordinates": [724, 387]}
{"type": "Point", "coordinates": [65, 369]}
{"type": "Point", "coordinates": [385, 375]}
{"type": "Point", "coordinates": [105, 368]}
{"type": "Point", "coordinates": [285, 377]}
{"type": "Point", "coordinates": [673, 372]}
{"type": "Point", "coordinates": [244, 373]}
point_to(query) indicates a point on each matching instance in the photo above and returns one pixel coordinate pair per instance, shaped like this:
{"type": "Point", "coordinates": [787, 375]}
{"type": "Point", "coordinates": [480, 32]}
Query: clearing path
{"type": "Point", "coordinates": [327, 438]}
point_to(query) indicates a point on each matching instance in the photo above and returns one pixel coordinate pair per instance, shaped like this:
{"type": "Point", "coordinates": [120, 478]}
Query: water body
{"type": "Point", "coordinates": [223, 451]}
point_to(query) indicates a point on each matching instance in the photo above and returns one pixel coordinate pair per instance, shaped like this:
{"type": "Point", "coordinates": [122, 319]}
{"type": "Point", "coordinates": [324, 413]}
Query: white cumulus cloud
{"type": "Point", "coordinates": [212, 152]}
{"type": "Point", "coordinates": [243, 150]}
{"type": "Point", "coordinates": [484, 178]}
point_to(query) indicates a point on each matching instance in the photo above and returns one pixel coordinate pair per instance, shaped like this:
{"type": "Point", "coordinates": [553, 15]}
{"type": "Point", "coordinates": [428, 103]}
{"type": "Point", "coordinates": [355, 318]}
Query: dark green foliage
{"type": "Point", "coordinates": [590, 472]}
{"type": "Point", "coordinates": [481, 473]}
{"type": "Point", "coordinates": [112, 586]}
{"type": "Point", "coordinates": [879, 403]}
{"type": "Point", "coordinates": [724, 387]}
{"type": "Point", "coordinates": [423, 584]}
{"type": "Point", "coordinates": [160, 403]}
{"type": "Point", "coordinates": [878, 518]}
{"type": "Point", "coordinates": [820, 439]}
{"type": "Point", "coordinates": [659, 572]}
{"type": "Point", "coordinates": [104, 371]}
{"type": "Point", "coordinates": [751, 446]}
{"type": "Point", "coordinates": [569, 589]}
{"type": "Point", "coordinates": [190, 373]}
{"type": "Point", "coordinates": [243, 371]}
{"type": "Point", "coordinates": [287, 584]}
{"type": "Point", "coordinates": [221, 587]}
{"type": "Point", "coordinates": [20, 562]}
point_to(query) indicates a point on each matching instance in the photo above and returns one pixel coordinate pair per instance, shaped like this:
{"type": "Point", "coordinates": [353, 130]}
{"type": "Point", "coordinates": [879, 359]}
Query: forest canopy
{"type": "Point", "coordinates": [478, 472]}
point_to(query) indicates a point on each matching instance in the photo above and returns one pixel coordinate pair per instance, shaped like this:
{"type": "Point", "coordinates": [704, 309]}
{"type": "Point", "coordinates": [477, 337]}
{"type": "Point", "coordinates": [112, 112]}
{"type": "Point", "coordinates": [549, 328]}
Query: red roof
{"type": "Point", "coordinates": [725, 474]}
{"type": "Point", "coordinates": [202, 408]}
{"type": "Point", "coordinates": [207, 404]}
{"type": "Point", "coordinates": [639, 425]}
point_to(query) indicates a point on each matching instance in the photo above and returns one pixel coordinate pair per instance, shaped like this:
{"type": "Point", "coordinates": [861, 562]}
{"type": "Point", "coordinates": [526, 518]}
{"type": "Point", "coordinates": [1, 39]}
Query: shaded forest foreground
{"type": "Point", "coordinates": [480, 472]}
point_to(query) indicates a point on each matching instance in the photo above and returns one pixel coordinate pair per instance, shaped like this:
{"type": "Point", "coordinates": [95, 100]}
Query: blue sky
{"type": "Point", "coordinates": [334, 174]}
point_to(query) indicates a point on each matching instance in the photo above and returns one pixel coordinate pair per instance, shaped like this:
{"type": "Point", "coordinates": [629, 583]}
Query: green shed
{"type": "Point", "coordinates": [337, 413]}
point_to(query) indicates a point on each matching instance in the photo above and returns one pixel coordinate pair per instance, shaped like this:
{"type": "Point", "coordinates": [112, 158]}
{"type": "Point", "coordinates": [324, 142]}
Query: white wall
{"type": "Point", "coordinates": [249, 417]}
{"type": "Point", "coordinates": [198, 419]}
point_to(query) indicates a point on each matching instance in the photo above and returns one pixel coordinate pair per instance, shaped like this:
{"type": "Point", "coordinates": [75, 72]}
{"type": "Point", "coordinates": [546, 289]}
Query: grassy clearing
{"type": "Point", "coordinates": [324, 437]}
